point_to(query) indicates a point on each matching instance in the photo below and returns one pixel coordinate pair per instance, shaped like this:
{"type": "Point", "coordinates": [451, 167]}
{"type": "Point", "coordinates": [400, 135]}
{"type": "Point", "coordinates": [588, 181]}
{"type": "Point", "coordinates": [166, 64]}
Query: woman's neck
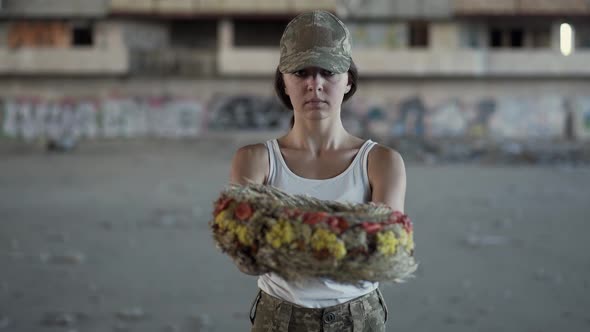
{"type": "Point", "coordinates": [317, 136]}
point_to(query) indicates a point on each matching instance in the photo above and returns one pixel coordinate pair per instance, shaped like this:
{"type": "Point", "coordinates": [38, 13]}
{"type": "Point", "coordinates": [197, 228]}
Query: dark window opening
{"type": "Point", "coordinates": [82, 36]}
{"type": "Point", "coordinates": [200, 34]}
{"type": "Point", "coordinates": [249, 33]}
{"type": "Point", "coordinates": [418, 34]}
{"type": "Point", "coordinates": [533, 36]}
{"type": "Point", "coordinates": [496, 38]}
{"type": "Point", "coordinates": [581, 36]}
{"type": "Point", "coordinates": [516, 38]}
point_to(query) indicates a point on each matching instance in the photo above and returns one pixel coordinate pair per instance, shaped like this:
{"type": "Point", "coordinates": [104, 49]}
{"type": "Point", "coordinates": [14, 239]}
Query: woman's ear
{"type": "Point", "coordinates": [349, 84]}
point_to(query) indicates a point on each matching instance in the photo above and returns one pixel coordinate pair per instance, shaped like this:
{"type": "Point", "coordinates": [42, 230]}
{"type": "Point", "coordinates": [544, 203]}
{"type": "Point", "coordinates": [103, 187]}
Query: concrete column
{"type": "Point", "coordinates": [109, 34]}
{"type": "Point", "coordinates": [484, 34]}
{"type": "Point", "coordinates": [444, 35]}
{"type": "Point", "coordinates": [225, 32]}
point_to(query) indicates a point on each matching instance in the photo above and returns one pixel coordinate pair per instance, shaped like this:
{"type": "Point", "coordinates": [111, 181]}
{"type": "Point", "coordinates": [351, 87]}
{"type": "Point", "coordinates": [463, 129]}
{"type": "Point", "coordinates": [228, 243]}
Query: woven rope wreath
{"type": "Point", "coordinates": [297, 236]}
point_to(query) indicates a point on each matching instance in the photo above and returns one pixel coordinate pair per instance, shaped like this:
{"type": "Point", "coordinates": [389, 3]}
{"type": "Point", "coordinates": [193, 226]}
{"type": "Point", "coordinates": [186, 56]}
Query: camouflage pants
{"type": "Point", "coordinates": [363, 314]}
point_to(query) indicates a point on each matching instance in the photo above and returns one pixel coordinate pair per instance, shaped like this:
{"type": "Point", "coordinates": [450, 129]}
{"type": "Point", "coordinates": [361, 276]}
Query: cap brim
{"type": "Point", "coordinates": [335, 63]}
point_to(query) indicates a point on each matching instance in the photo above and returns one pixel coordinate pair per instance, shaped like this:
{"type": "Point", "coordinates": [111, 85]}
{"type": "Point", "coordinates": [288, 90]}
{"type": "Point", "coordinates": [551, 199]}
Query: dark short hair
{"type": "Point", "coordinates": [284, 98]}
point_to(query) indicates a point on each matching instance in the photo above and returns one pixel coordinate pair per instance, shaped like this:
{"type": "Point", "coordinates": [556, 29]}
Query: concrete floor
{"type": "Point", "coordinates": [114, 237]}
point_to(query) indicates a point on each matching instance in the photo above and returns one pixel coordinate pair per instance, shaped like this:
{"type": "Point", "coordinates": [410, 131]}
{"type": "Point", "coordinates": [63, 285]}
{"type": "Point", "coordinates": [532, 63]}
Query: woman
{"type": "Point", "coordinates": [320, 158]}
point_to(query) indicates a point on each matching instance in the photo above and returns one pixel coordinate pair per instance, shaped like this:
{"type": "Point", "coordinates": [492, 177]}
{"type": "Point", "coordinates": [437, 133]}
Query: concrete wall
{"type": "Point", "coordinates": [396, 9]}
{"type": "Point", "coordinates": [107, 56]}
{"type": "Point", "coordinates": [444, 36]}
{"type": "Point", "coordinates": [4, 33]}
{"type": "Point", "coordinates": [144, 35]}
{"type": "Point", "coordinates": [109, 35]}
{"type": "Point", "coordinates": [436, 62]}
{"type": "Point", "coordinates": [437, 8]}
{"type": "Point", "coordinates": [495, 110]}
{"type": "Point", "coordinates": [90, 61]}
{"type": "Point", "coordinates": [54, 8]}
{"type": "Point", "coordinates": [384, 35]}
{"type": "Point", "coordinates": [553, 7]}
{"type": "Point", "coordinates": [200, 7]}
{"type": "Point", "coordinates": [521, 7]}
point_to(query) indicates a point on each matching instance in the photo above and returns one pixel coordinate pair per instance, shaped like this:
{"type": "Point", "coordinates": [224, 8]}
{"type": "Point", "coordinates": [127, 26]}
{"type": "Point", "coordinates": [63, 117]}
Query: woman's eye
{"type": "Point", "coordinates": [327, 73]}
{"type": "Point", "coordinates": [300, 73]}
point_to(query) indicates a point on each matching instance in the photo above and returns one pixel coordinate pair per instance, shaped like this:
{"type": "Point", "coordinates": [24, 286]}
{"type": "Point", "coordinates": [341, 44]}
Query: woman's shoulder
{"type": "Point", "coordinates": [382, 158]}
{"type": "Point", "coordinates": [380, 152]}
{"type": "Point", "coordinates": [252, 153]}
{"type": "Point", "coordinates": [250, 163]}
{"type": "Point", "coordinates": [252, 148]}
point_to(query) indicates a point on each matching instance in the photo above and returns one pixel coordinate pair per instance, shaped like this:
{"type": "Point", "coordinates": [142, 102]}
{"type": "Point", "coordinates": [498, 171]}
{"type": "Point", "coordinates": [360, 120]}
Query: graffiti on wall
{"type": "Point", "coordinates": [247, 112]}
{"type": "Point", "coordinates": [448, 119]}
{"type": "Point", "coordinates": [501, 118]}
{"type": "Point", "coordinates": [528, 118]}
{"type": "Point", "coordinates": [31, 118]}
{"type": "Point", "coordinates": [494, 118]}
{"type": "Point", "coordinates": [581, 116]}
{"type": "Point", "coordinates": [409, 119]}
{"type": "Point", "coordinates": [163, 117]}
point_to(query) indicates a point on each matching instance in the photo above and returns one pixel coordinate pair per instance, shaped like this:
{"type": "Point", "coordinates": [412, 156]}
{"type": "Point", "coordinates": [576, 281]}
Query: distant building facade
{"type": "Point", "coordinates": [427, 66]}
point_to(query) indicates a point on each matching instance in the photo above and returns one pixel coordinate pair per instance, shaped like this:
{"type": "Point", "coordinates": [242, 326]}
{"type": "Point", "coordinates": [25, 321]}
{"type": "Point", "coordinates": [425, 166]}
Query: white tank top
{"type": "Point", "coordinates": [352, 185]}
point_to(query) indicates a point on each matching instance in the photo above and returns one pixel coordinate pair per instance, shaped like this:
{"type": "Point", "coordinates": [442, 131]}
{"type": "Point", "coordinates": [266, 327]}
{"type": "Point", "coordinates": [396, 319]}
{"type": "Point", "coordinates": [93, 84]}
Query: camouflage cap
{"type": "Point", "coordinates": [316, 39]}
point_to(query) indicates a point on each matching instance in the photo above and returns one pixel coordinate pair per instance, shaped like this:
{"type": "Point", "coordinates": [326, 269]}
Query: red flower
{"type": "Point", "coordinates": [371, 227]}
{"type": "Point", "coordinates": [406, 223]}
{"type": "Point", "coordinates": [338, 224]}
{"type": "Point", "coordinates": [397, 214]}
{"type": "Point", "coordinates": [221, 204]}
{"type": "Point", "coordinates": [291, 213]}
{"type": "Point", "coordinates": [313, 218]}
{"type": "Point", "coordinates": [243, 211]}
{"type": "Point", "coordinates": [343, 224]}
{"type": "Point", "coordinates": [394, 218]}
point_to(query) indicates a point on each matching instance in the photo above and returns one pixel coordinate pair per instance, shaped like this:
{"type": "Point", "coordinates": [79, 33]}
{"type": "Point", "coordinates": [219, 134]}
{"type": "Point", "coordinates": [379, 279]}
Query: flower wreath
{"type": "Point", "coordinates": [297, 236]}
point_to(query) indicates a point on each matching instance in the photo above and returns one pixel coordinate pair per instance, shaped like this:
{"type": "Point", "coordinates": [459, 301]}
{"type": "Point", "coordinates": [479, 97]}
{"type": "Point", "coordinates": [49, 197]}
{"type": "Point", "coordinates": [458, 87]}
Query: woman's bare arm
{"type": "Point", "coordinates": [249, 165]}
{"type": "Point", "coordinates": [387, 175]}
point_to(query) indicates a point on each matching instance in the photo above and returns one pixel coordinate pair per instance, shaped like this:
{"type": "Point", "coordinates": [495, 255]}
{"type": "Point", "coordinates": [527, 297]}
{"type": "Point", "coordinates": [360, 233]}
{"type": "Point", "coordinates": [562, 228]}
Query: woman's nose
{"type": "Point", "coordinates": [315, 82]}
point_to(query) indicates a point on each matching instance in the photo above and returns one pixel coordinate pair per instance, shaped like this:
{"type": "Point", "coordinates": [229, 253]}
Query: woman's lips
{"type": "Point", "coordinates": [315, 101]}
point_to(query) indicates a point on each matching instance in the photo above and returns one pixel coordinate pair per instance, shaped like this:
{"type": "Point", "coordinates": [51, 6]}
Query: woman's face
{"type": "Point", "coordinates": [315, 91]}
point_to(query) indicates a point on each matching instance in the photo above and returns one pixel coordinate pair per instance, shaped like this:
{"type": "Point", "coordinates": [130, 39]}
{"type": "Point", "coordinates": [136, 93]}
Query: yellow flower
{"type": "Point", "coordinates": [403, 237]}
{"type": "Point", "coordinates": [324, 239]}
{"type": "Point", "coordinates": [280, 233]}
{"type": "Point", "coordinates": [338, 249]}
{"type": "Point", "coordinates": [321, 238]}
{"type": "Point", "coordinates": [222, 219]}
{"type": "Point", "coordinates": [231, 225]}
{"type": "Point", "coordinates": [244, 235]}
{"type": "Point", "coordinates": [387, 243]}
{"type": "Point", "coordinates": [276, 243]}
